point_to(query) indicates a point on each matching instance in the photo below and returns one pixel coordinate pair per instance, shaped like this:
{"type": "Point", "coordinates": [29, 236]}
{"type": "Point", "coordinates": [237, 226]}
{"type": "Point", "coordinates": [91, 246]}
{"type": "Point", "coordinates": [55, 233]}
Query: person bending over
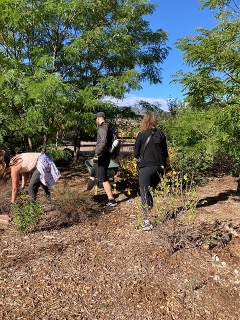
{"type": "Point", "coordinates": [42, 169]}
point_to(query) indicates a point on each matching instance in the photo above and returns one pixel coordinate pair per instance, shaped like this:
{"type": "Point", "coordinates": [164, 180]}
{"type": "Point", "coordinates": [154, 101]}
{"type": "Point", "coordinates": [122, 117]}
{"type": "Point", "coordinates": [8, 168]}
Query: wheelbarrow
{"type": "Point", "coordinates": [112, 171]}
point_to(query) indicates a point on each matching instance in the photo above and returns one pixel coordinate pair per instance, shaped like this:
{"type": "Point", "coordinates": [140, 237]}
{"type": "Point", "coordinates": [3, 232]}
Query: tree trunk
{"type": "Point", "coordinates": [30, 143]}
{"type": "Point", "coordinates": [77, 144]}
{"type": "Point", "coordinates": [45, 140]}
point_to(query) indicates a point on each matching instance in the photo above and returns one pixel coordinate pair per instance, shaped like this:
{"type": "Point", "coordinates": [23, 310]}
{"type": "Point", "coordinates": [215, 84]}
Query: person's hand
{"type": "Point", "coordinates": [95, 158]}
{"type": "Point", "coordinates": [22, 190]}
{"type": "Point", "coordinates": [137, 160]}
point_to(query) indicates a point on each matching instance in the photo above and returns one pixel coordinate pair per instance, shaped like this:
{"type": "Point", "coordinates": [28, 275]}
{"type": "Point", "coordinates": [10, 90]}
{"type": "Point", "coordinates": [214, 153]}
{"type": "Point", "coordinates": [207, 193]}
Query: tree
{"type": "Point", "coordinates": [143, 107]}
{"type": "Point", "coordinates": [58, 59]}
{"type": "Point", "coordinates": [172, 106]}
{"type": "Point", "coordinates": [206, 129]}
{"type": "Point", "coordinates": [214, 58]}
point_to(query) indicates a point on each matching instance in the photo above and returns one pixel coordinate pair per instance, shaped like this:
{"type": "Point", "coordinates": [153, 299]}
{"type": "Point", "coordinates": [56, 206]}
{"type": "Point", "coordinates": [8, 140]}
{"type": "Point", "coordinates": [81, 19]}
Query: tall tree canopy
{"type": "Point", "coordinates": [206, 129]}
{"type": "Point", "coordinates": [58, 58]}
{"type": "Point", "coordinates": [214, 56]}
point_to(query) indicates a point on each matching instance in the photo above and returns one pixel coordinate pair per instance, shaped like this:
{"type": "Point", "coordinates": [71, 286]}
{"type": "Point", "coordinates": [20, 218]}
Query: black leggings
{"type": "Point", "coordinates": [34, 185]}
{"type": "Point", "coordinates": [149, 177]}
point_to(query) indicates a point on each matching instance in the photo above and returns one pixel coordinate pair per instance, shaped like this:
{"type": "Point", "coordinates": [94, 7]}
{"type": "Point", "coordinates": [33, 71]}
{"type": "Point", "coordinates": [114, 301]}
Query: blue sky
{"type": "Point", "coordinates": [179, 18]}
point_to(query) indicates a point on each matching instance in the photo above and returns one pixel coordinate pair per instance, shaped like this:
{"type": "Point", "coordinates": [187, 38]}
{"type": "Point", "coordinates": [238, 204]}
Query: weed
{"type": "Point", "coordinates": [176, 193]}
{"type": "Point", "coordinates": [69, 199]}
{"type": "Point", "coordinates": [25, 214]}
{"type": "Point", "coordinates": [128, 174]}
{"type": "Point", "coordinates": [129, 167]}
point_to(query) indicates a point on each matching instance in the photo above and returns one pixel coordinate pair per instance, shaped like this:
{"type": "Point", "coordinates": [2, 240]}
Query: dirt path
{"type": "Point", "coordinates": [87, 263]}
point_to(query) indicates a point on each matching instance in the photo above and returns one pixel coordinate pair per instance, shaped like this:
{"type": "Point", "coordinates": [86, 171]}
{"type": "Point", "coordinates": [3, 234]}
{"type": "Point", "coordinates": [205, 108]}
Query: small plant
{"type": "Point", "coordinates": [129, 167]}
{"type": "Point", "coordinates": [25, 214]}
{"type": "Point", "coordinates": [69, 199]}
{"type": "Point", "coordinates": [128, 174]}
{"type": "Point", "coordinates": [176, 193]}
{"type": "Point", "coordinates": [60, 157]}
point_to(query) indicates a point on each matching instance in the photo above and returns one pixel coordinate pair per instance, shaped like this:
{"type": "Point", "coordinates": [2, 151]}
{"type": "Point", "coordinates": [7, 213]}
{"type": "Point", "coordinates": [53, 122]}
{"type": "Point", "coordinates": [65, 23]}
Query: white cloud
{"type": "Point", "coordinates": [130, 100]}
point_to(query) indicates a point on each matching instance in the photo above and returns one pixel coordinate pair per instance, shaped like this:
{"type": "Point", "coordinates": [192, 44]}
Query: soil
{"type": "Point", "coordinates": [83, 262]}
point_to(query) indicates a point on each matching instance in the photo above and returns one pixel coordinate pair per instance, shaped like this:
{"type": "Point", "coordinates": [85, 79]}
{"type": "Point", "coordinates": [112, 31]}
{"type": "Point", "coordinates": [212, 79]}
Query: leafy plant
{"type": "Point", "coordinates": [175, 194]}
{"type": "Point", "coordinates": [25, 214]}
{"type": "Point", "coordinates": [59, 156]}
{"type": "Point", "coordinates": [60, 59]}
{"type": "Point", "coordinates": [129, 173]}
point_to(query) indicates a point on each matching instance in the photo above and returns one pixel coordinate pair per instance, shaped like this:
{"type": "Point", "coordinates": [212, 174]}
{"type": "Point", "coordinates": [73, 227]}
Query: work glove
{"type": "Point", "coordinates": [95, 158]}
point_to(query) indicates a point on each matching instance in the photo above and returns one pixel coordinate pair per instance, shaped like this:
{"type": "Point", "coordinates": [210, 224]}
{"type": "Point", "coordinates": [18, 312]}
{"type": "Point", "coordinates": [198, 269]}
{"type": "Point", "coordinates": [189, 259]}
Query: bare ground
{"type": "Point", "coordinates": [81, 262]}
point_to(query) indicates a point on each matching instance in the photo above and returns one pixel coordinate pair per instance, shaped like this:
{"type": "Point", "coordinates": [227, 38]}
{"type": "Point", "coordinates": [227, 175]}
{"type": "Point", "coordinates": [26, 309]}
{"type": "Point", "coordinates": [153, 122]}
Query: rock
{"type": "Point", "coordinates": [4, 219]}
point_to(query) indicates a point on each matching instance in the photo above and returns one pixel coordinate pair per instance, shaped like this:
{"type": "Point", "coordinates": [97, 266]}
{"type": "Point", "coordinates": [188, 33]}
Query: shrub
{"type": "Point", "coordinates": [175, 194]}
{"type": "Point", "coordinates": [25, 214]}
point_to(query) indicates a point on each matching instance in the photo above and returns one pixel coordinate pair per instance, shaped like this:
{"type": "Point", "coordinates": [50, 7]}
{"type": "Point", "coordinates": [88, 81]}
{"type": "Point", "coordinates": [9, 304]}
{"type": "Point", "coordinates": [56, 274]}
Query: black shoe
{"type": "Point", "coordinates": [110, 203]}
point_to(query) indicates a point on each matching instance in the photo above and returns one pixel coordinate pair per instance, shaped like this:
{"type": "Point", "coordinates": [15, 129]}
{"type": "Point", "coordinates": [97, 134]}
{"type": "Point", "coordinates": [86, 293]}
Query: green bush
{"type": "Point", "coordinates": [205, 141]}
{"type": "Point", "coordinates": [25, 214]}
{"type": "Point", "coordinates": [174, 195]}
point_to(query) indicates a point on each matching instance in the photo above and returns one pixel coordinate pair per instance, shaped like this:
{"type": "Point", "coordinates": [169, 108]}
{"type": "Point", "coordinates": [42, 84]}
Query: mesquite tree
{"type": "Point", "coordinates": [207, 129]}
{"type": "Point", "coordinates": [59, 58]}
{"type": "Point", "coordinates": [215, 60]}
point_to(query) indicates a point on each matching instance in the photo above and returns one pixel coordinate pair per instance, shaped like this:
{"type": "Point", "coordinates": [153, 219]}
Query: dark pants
{"type": "Point", "coordinates": [100, 170]}
{"type": "Point", "coordinates": [34, 185]}
{"type": "Point", "coordinates": [149, 177]}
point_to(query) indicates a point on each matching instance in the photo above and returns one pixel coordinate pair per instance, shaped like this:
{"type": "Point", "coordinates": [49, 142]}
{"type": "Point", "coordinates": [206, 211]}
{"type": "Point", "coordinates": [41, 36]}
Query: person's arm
{"type": "Point", "coordinates": [24, 179]}
{"type": "Point", "coordinates": [166, 155]}
{"type": "Point", "coordinates": [15, 181]}
{"type": "Point", "coordinates": [137, 147]}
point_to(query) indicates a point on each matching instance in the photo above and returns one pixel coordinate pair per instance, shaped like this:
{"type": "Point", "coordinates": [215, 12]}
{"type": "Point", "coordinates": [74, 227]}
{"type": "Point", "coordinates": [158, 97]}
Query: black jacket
{"type": "Point", "coordinates": [156, 151]}
{"type": "Point", "coordinates": [104, 140]}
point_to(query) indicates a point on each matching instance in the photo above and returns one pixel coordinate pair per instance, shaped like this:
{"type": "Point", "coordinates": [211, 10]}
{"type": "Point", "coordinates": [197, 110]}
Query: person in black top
{"type": "Point", "coordinates": [153, 159]}
{"type": "Point", "coordinates": [101, 159]}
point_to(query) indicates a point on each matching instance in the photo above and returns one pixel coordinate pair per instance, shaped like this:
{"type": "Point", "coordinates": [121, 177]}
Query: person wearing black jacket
{"type": "Point", "coordinates": [152, 159]}
{"type": "Point", "coordinates": [101, 159]}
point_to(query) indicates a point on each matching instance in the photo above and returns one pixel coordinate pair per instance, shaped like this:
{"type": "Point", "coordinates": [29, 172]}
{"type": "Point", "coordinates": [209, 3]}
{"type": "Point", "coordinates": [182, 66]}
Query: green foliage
{"type": "Point", "coordinates": [128, 173]}
{"type": "Point", "coordinates": [57, 154]}
{"type": "Point", "coordinates": [203, 141]}
{"type": "Point", "coordinates": [205, 131]}
{"type": "Point", "coordinates": [192, 135]}
{"type": "Point", "coordinates": [228, 136]}
{"type": "Point", "coordinates": [214, 58]}
{"type": "Point", "coordinates": [213, 4]}
{"type": "Point", "coordinates": [25, 214]}
{"type": "Point", "coordinates": [58, 60]}
{"type": "Point", "coordinates": [176, 194]}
